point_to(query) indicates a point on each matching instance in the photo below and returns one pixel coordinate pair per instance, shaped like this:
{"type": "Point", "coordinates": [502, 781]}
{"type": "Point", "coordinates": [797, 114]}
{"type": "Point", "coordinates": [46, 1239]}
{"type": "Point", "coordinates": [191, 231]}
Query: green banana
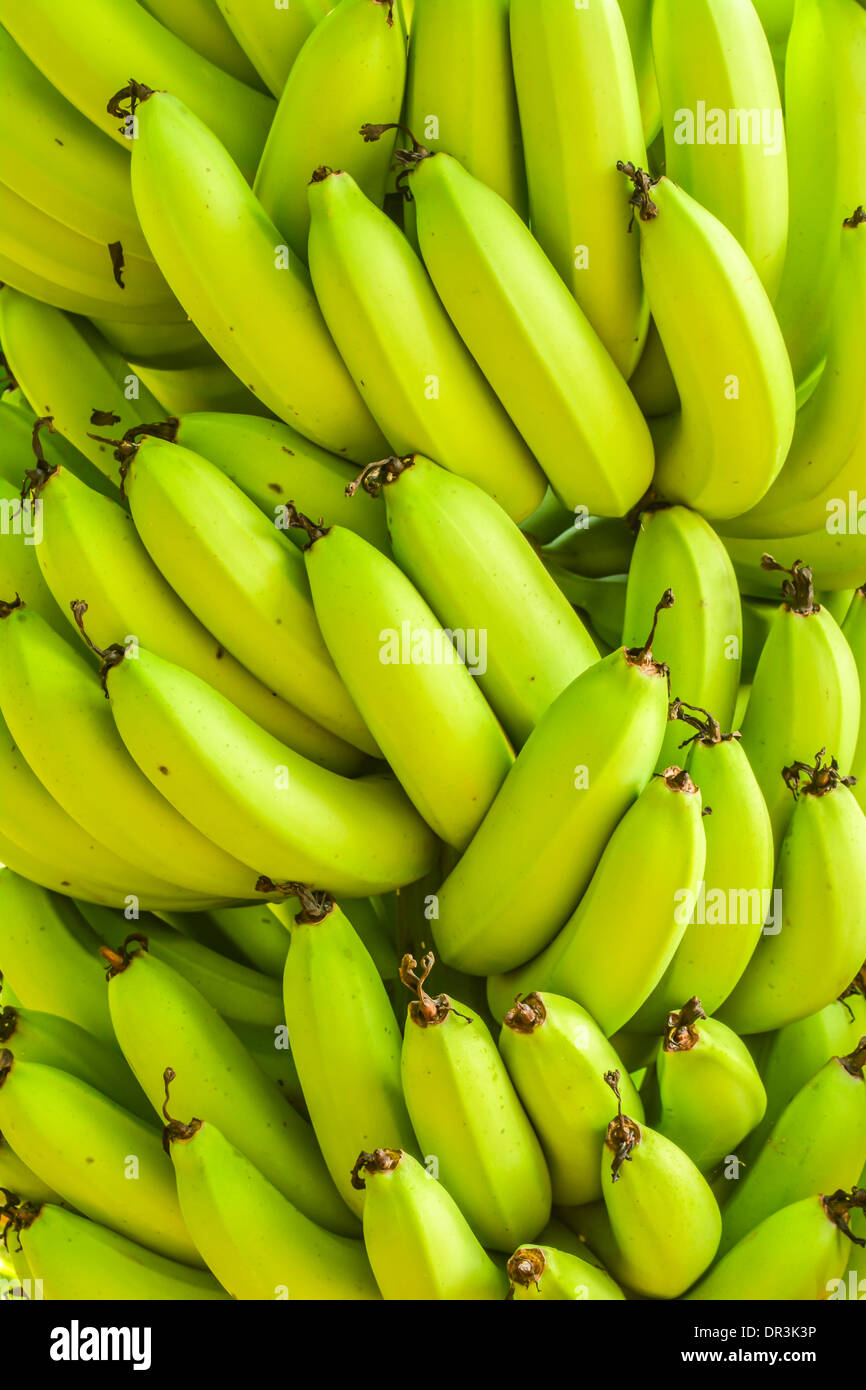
{"type": "Point", "coordinates": [726, 445]}
{"type": "Point", "coordinates": [607, 959]}
{"type": "Point", "coordinates": [854, 631]}
{"type": "Point", "coordinates": [541, 1274]}
{"type": "Point", "coordinates": [420, 1245]}
{"type": "Point", "coordinates": [478, 573]}
{"type": "Point", "coordinates": [157, 345]}
{"type": "Point", "coordinates": [805, 695]}
{"type": "Point", "coordinates": [271, 35]}
{"type": "Point", "coordinates": [820, 1136]}
{"type": "Point", "coordinates": [345, 1040]}
{"type": "Point", "coordinates": [548, 520]}
{"type": "Point", "coordinates": [837, 554]}
{"type": "Point", "coordinates": [798, 1252]}
{"type": "Point", "coordinates": [79, 1259]}
{"type": "Point", "coordinates": [351, 69]}
{"type": "Point", "coordinates": [652, 382]}
{"type": "Point", "coordinates": [467, 1116]}
{"type": "Point", "coordinates": [758, 618]}
{"type": "Point", "coordinates": [638, 22]}
{"type": "Point", "coordinates": [599, 603]}
{"type": "Point", "coordinates": [103, 1160]}
{"type": "Point", "coordinates": [24, 438]}
{"type": "Point", "coordinates": [200, 24]}
{"type": "Point", "coordinates": [573, 72]}
{"type": "Point", "coordinates": [595, 547]}
{"type": "Point", "coordinates": [416, 375]}
{"type": "Point", "coordinates": [529, 337]}
{"type": "Point", "coordinates": [263, 319]}
{"type": "Point", "coordinates": [211, 386]}
{"type": "Point", "coordinates": [588, 758]}
{"type": "Point", "coordinates": [253, 936]}
{"type": "Point", "coordinates": [702, 641]}
{"type": "Point", "coordinates": [50, 293]}
{"type": "Point", "coordinates": [87, 54]}
{"type": "Point", "coordinates": [161, 1020]}
{"type": "Point", "coordinates": [274, 1252]}
{"type": "Point", "coordinates": [270, 1050]}
{"type": "Point", "coordinates": [17, 1178]}
{"type": "Point", "coordinates": [821, 874]}
{"type": "Point", "coordinates": [556, 1055]}
{"type": "Point", "coordinates": [19, 570]}
{"type": "Point", "coordinates": [664, 1221]}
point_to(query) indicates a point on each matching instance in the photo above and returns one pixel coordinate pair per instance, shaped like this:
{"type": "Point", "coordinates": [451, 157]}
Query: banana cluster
{"type": "Point", "coordinates": [433, 649]}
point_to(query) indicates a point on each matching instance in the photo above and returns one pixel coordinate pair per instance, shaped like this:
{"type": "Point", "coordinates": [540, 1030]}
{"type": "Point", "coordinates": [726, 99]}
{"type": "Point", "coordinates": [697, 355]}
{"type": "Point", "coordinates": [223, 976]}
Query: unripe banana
{"type": "Point", "coordinates": [211, 386]}
{"type": "Point", "coordinates": [200, 24]}
{"type": "Point", "coordinates": [421, 385]}
{"type": "Point", "coordinates": [420, 1245]}
{"type": "Point", "coordinates": [837, 555]}
{"type": "Point", "coordinates": [157, 345]}
{"type": "Point", "coordinates": [557, 1055]}
{"type": "Point", "coordinates": [271, 35]}
{"type": "Point", "coordinates": [405, 674]}
{"type": "Point", "coordinates": [638, 22]}
{"type": "Point", "coordinates": [588, 758]}
{"type": "Point", "coordinates": [17, 1178]}
{"type": "Point", "coordinates": [254, 937]}
{"type": "Point", "coordinates": [24, 438]}
{"type": "Point", "coordinates": [595, 547]}
{"type": "Point", "coordinates": [574, 72]}
{"type": "Point", "coordinates": [467, 1117]}
{"type": "Point", "coordinates": [854, 631]}
{"type": "Point", "coordinates": [19, 570]}
{"type": "Point", "coordinates": [541, 1274]}
{"type": "Point", "coordinates": [274, 1251]}
{"type": "Point", "coordinates": [821, 873]}
{"type": "Point", "coordinates": [654, 858]}
{"type": "Point", "coordinates": [652, 382]}
{"type": "Point", "coordinates": [600, 603]}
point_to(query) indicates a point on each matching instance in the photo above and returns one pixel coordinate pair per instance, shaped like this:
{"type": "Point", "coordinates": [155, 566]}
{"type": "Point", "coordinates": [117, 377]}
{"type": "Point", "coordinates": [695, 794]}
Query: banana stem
{"type": "Point", "coordinates": [623, 1133]}
{"type": "Point", "coordinates": [378, 475]}
{"type": "Point", "coordinates": [298, 520]}
{"type": "Point", "coordinates": [643, 656]}
{"type": "Point", "coordinates": [681, 1034]}
{"type": "Point", "coordinates": [175, 1131]}
{"type": "Point", "coordinates": [427, 1011]}
{"type": "Point", "coordinates": [379, 1161]}
{"type": "Point", "coordinates": [527, 1014]}
{"type": "Point", "coordinates": [36, 478]}
{"type": "Point", "coordinates": [121, 959]}
{"type": "Point", "coordinates": [798, 591]}
{"type": "Point", "coordinates": [822, 777]}
{"type": "Point", "coordinates": [855, 1061]}
{"type": "Point", "coordinates": [839, 1206]}
{"type": "Point", "coordinates": [108, 659]}
{"type": "Point", "coordinates": [641, 199]}
{"type": "Point", "coordinates": [135, 93]}
{"type": "Point", "coordinates": [525, 1267]}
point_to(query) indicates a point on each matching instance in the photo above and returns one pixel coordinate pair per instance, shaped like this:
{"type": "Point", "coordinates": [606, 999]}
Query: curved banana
{"type": "Point", "coordinates": [652, 383]}
{"type": "Point", "coordinates": [345, 1040]}
{"type": "Point", "coordinates": [79, 1259]}
{"type": "Point", "coordinates": [825, 119]}
{"type": "Point", "coordinates": [574, 73]}
{"type": "Point", "coordinates": [405, 674]}
{"type": "Point", "coordinates": [200, 24]}
{"type": "Point", "coordinates": [255, 936]}
{"type": "Point", "coordinates": [805, 695]}
{"type": "Point", "coordinates": [352, 69]}
{"type": "Point", "coordinates": [209, 387]}
{"type": "Point", "coordinates": [47, 291]}
{"type": "Point", "coordinates": [161, 1021]}
{"type": "Point", "coordinates": [416, 375]}
{"type": "Point", "coordinates": [262, 319]}
{"type": "Point", "coordinates": [638, 23]}
{"type": "Point", "coordinates": [468, 1117]}
{"type": "Point", "coordinates": [723, 124]}
{"type": "Point", "coordinates": [274, 1251]}
{"type": "Point", "coordinates": [160, 346]}
{"type": "Point", "coordinates": [19, 570]}
{"type": "Point", "coordinates": [724, 448]}
{"type": "Point", "coordinates": [821, 873]}
{"type": "Point", "coordinates": [600, 603]}
{"type": "Point", "coordinates": [17, 1178]}
{"type": "Point", "coordinates": [269, 1049]}
{"type": "Point", "coordinates": [103, 1160]}
{"type": "Point", "coordinates": [272, 35]}
{"type": "Point", "coordinates": [608, 961]}
{"type": "Point", "coordinates": [854, 631]}
{"type": "Point", "coordinates": [539, 1273]}
{"type": "Point", "coordinates": [594, 547]}
{"type": "Point", "coordinates": [588, 758]}
{"type": "Point", "coordinates": [89, 53]}
{"type": "Point", "coordinates": [420, 1246]}
{"type": "Point", "coordinates": [557, 1055]}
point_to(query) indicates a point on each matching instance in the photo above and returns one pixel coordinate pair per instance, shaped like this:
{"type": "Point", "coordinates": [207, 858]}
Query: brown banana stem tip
{"type": "Point", "coordinates": [643, 656]}
{"type": "Point", "coordinates": [641, 201]}
{"type": "Point", "coordinates": [405, 160]}
{"type": "Point", "coordinates": [526, 1015]}
{"type": "Point", "coordinates": [709, 730]}
{"type": "Point", "coordinates": [316, 532]}
{"type": "Point", "coordinates": [175, 1131]}
{"type": "Point", "coordinates": [623, 1133]}
{"type": "Point", "coordinates": [676, 779]}
{"type": "Point", "coordinates": [822, 778]}
{"type": "Point", "coordinates": [839, 1206]}
{"type": "Point", "coordinates": [120, 959]}
{"type": "Point", "coordinates": [378, 475]}
{"type": "Point", "coordinates": [681, 1034]}
{"type": "Point", "coordinates": [855, 1062]}
{"type": "Point", "coordinates": [379, 1161]}
{"type": "Point", "coordinates": [798, 590]}
{"type": "Point", "coordinates": [36, 478]}
{"type": "Point", "coordinates": [8, 1022]}
{"type": "Point", "coordinates": [135, 93]}
{"type": "Point", "coordinates": [6, 1063]}
{"type": "Point", "coordinates": [110, 657]}
{"type": "Point", "coordinates": [525, 1267]}
{"type": "Point", "coordinates": [857, 219]}
{"type": "Point", "coordinates": [8, 606]}
{"type": "Point", "coordinates": [427, 1011]}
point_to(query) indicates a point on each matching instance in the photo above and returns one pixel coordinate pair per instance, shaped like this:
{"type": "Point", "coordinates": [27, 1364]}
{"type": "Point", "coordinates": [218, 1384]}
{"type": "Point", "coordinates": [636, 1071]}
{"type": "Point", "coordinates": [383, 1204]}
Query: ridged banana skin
{"type": "Point", "coordinates": [838, 556]}
{"type": "Point", "coordinates": [665, 1223]}
{"type": "Point", "coordinates": [703, 637]}
{"type": "Point", "coordinates": [816, 1145]}
{"type": "Point", "coordinates": [272, 36]}
{"type": "Point", "coordinates": [585, 762]}
{"type": "Point", "coordinates": [346, 1046]}
{"type": "Point", "coordinates": [16, 1177]}
{"type": "Point", "coordinates": [161, 1021]}
{"type": "Point", "coordinates": [79, 1259]}
{"type": "Point", "coordinates": [825, 116]}
{"type": "Point", "coordinates": [713, 954]}
{"type": "Point", "coordinates": [199, 215]}
{"type": "Point", "coordinates": [532, 341]}
{"type": "Point", "coordinates": [243, 580]}
{"type": "Point", "coordinates": [407, 358]}
{"type": "Point", "coordinates": [90, 551]}
{"type": "Point", "coordinates": [805, 696]}
{"type": "Point", "coordinates": [558, 1072]}
{"type": "Point", "coordinates": [653, 857]}
{"type": "Point", "coordinates": [478, 573]}
{"type": "Point", "coordinates": [54, 1041]}
{"type": "Point", "coordinates": [351, 70]}
{"type": "Point", "coordinates": [374, 622]}
{"type": "Point", "coordinates": [58, 715]}
{"type": "Point", "coordinates": [714, 52]}
{"type": "Point", "coordinates": [200, 24]}
{"type": "Point", "coordinates": [711, 1094]}
{"type": "Point", "coordinates": [211, 387]}
{"type": "Point", "coordinates": [827, 459]}
{"type": "Point", "coordinates": [157, 345]}
{"type": "Point", "coordinates": [821, 873]}
{"type": "Point", "coordinates": [50, 293]}
{"type": "Point", "coordinates": [57, 159]}
{"type": "Point", "coordinates": [573, 72]}
{"type": "Point", "coordinates": [81, 1144]}
{"type": "Point", "coordinates": [19, 570]}
{"type": "Point", "coordinates": [460, 93]}
{"type": "Point", "coordinates": [273, 465]}
{"type": "Point", "coordinates": [420, 1246]}
{"type": "Point", "coordinates": [721, 453]}
{"type": "Point", "coordinates": [565, 1278]}
{"type": "Point", "coordinates": [854, 630]}
{"type": "Point", "coordinates": [638, 22]}
{"type": "Point", "coordinates": [467, 1115]}
{"type": "Point", "coordinates": [59, 874]}
{"type": "Point", "coordinates": [273, 1251]}
{"type": "Point", "coordinates": [91, 53]}
{"type": "Point", "coordinates": [256, 797]}
{"type": "Point", "coordinates": [793, 1254]}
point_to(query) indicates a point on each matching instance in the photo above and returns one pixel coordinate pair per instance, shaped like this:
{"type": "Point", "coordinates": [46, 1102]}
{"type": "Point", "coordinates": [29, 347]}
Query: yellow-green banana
{"type": "Point", "coordinates": [838, 555]}
{"type": "Point", "coordinates": [652, 383]}
{"type": "Point", "coordinates": [722, 450]}
{"type": "Point", "coordinates": [413, 370]}
{"type": "Point", "coordinates": [19, 570]}
{"type": "Point", "coordinates": [407, 674]}
{"type": "Point", "coordinates": [201, 25]}
{"type": "Point", "coordinates": [26, 440]}
{"type": "Point", "coordinates": [854, 631]}
{"type": "Point", "coordinates": [600, 603]}
{"type": "Point", "coordinates": [208, 387]}
{"type": "Point", "coordinates": [540, 1274]}
{"type": "Point", "coordinates": [157, 345]}
{"type": "Point", "coordinates": [419, 1243]}
{"type": "Point", "coordinates": [468, 1118]}
{"type": "Point", "coordinates": [574, 73]}
{"type": "Point", "coordinates": [595, 547]}
{"type": "Point", "coordinates": [638, 22]}
{"type": "Point", "coordinates": [17, 1178]}
{"type": "Point", "coordinates": [352, 69]}
{"type": "Point", "coordinates": [271, 35]}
